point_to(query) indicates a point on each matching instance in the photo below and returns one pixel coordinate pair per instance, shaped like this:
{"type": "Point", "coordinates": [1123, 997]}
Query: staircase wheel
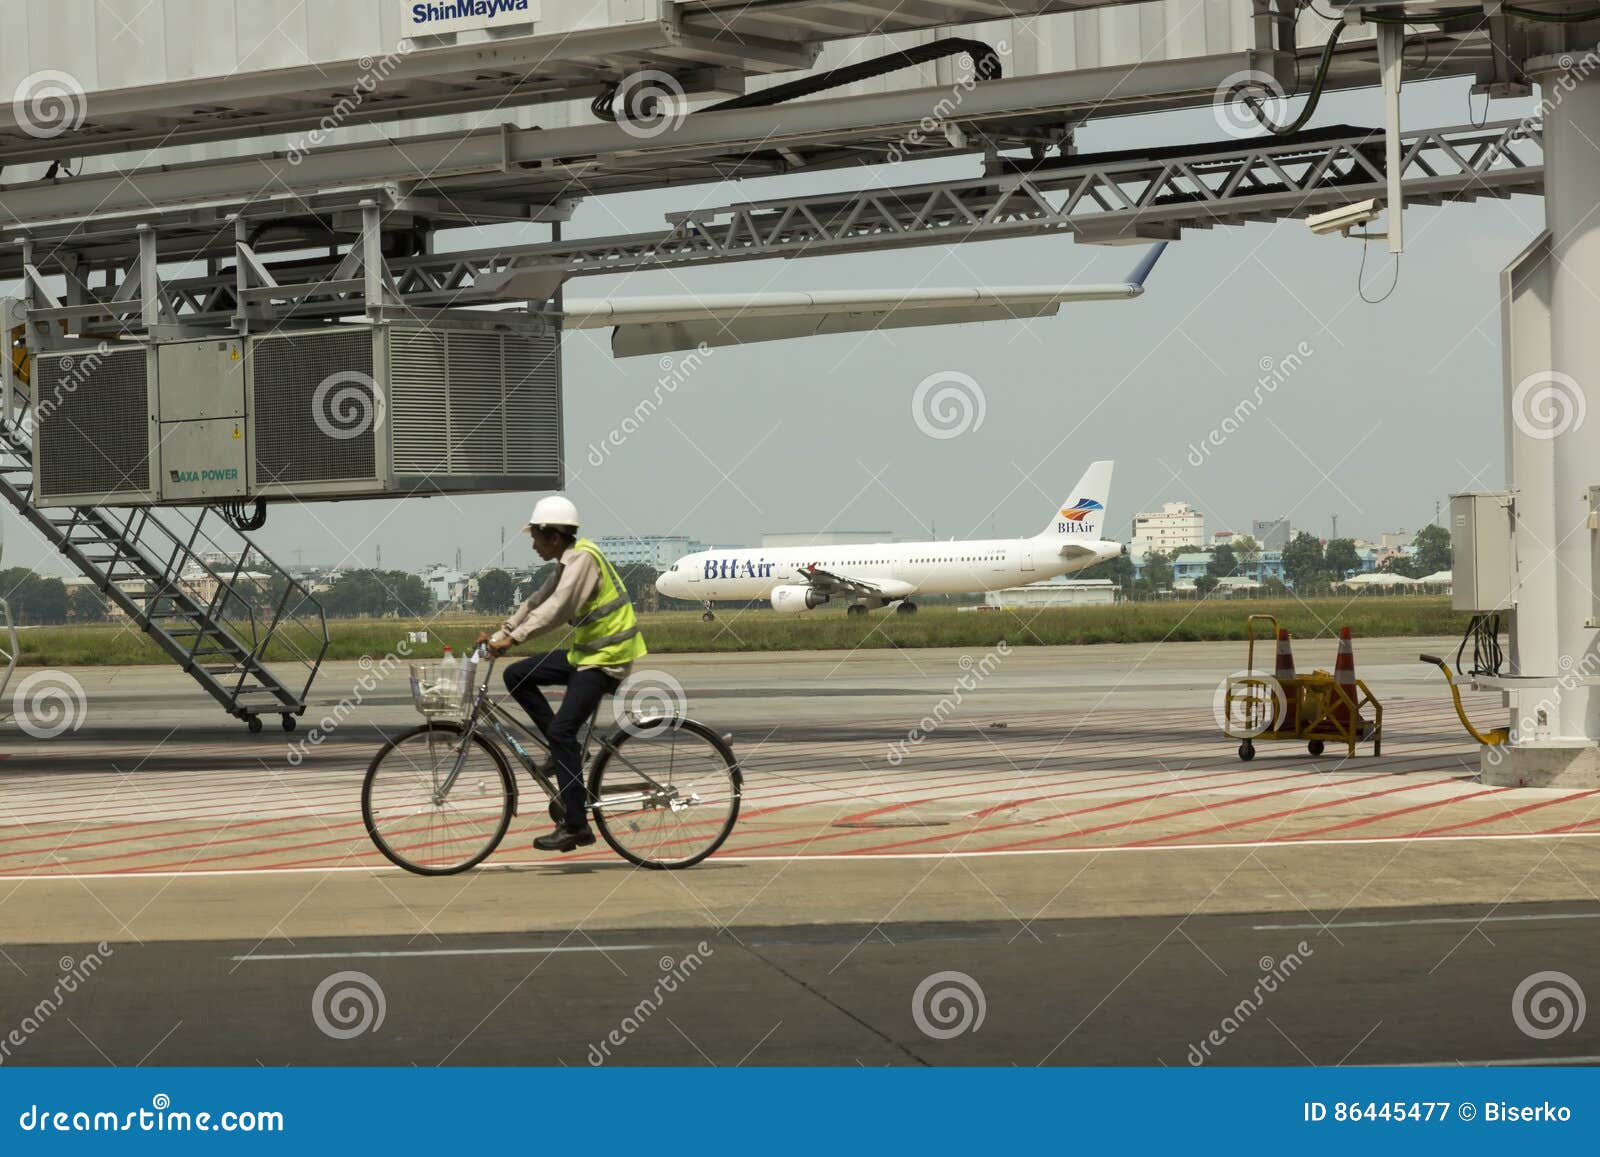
{"type": "Point", "coordinates": [255, 724]}
{"type": "Point", "coordinates": [288, 722]}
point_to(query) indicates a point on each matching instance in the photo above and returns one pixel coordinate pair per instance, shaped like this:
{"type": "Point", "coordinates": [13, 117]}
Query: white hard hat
{"type": "Point", "coordinates": [556, 510]}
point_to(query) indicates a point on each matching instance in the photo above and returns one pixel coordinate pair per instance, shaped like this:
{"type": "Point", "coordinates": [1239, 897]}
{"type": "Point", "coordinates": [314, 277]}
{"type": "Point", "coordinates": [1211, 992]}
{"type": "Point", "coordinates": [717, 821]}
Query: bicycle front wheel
{"type": "Point", "coordinates": [420, 826]}
{"type": "Point", "coordinates": [665, 793]}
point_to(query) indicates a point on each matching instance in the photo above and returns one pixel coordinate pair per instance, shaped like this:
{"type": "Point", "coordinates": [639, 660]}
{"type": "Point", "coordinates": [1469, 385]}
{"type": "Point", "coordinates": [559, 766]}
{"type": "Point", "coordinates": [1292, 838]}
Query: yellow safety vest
{"type": "Point", "coordinates": [606, 632]}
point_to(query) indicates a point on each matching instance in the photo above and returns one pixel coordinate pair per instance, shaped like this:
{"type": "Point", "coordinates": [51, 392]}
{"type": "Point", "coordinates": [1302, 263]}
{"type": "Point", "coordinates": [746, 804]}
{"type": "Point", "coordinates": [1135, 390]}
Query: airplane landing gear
{"type": "Point", "coordinates": [708, 616]}
{"type": "Point", "coordinates": [855, 609]}
{"type": "Point", "coordinates": [906, 609]}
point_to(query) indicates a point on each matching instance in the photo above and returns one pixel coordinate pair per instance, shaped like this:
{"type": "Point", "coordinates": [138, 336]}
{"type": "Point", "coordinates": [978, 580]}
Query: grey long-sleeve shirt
{"type": "Point", "coordinates": [558, 602]}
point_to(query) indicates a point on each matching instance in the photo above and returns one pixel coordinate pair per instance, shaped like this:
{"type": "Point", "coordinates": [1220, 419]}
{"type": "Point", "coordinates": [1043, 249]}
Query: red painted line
{"type": "Point", "coordinates": [1505, 815]}
{"type": "Point", "coordinates": [1361, 821]}
{"type": "Point", "coordinates": [1233, 802]}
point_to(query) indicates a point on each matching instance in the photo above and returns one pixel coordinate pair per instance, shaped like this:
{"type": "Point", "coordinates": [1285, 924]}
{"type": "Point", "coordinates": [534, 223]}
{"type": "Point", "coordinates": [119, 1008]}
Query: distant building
{"type": "Point", "coordinates": [658, 551]}
{"type": "Point", "coordinates": [1271, 533]}
{"type": "Point", "coordinates": [1392, 540]}
{"type": "Point", "coordinates": [776, 538]}
{"type": "Point", "coordinates": [1223, 538]}
{"type": "Point", "coordinates": [1174, 525]}
{"type": "Point", "coordinates": [450, 588]}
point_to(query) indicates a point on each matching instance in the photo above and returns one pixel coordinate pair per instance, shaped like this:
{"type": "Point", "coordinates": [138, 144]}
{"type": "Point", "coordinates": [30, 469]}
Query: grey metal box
{"type": "Point", "coordinates": [203, 461]}
{"type": "Point", "coordinates": [1481, 526]}
{"type": "Point", "coordinates": [392, 409]}
{"type": "Point", "coordinates": [201, 379]}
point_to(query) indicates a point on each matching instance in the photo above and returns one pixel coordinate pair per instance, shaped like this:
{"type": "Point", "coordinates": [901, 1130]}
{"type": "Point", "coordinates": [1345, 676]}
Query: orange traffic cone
{"type": "Point", "coordinates": [1283, 672]}
{"type": "Point", "coordinates": [1342, 706]}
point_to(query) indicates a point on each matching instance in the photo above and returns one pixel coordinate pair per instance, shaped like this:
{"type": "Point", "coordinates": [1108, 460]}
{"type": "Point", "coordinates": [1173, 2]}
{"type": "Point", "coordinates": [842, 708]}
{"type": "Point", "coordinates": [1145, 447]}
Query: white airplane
{"type": "Point", "coordinates": [799, 578]}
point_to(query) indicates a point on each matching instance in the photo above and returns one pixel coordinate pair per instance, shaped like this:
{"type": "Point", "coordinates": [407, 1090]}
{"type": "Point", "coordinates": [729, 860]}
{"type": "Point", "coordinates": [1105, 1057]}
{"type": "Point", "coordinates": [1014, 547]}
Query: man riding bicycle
{"type": "Point", "coordinates": [586, 593]}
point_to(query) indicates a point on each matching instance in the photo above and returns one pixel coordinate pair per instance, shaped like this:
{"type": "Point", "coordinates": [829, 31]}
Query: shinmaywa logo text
{"type": "Point", "coordinates": [203, 475]}
{"type": "Point", "coordinates": [460, 9]}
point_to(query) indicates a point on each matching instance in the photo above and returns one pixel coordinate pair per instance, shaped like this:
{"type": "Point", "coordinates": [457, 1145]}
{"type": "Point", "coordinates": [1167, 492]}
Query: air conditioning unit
{"type": "Point", "coordinates": [383, 410]}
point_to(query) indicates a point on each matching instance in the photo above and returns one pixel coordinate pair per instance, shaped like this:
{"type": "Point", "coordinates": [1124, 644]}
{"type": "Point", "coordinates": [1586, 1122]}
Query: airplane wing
{"type": "Point", "coordinates": [654, 325]}
{"type": "Point", "coordinates": [828, 583]}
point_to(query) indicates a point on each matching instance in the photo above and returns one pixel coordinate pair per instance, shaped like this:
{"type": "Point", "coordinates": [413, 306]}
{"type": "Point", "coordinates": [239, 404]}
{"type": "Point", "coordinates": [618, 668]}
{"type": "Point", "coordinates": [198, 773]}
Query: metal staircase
{"type": "Point", "coordinates": [244, 628]}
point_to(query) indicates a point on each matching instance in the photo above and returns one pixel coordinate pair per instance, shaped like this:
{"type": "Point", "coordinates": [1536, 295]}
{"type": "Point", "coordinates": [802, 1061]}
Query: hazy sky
{"type": "Point", "coordinates": [1394, 406]}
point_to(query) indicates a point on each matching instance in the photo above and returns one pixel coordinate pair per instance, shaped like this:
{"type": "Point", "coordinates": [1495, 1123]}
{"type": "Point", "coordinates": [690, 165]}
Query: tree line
{"type": "Point", "coordinates": [1308, 563]}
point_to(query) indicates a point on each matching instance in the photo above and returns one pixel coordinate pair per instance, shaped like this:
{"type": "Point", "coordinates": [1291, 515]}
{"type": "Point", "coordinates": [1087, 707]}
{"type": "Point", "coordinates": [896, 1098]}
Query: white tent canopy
{"type": "Point", "coordinates": [1380, 579]}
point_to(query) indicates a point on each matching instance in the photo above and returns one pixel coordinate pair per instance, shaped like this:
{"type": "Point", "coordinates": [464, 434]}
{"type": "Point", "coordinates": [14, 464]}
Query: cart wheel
{"type": "Point", "coordinates": [1315, 747]}
{"type": "Point", "coordinates": [255, 725]}
{"type": "Point", "coordinates": [1247, 751]}
{"type": "Point", "coordinates": [288, 722]}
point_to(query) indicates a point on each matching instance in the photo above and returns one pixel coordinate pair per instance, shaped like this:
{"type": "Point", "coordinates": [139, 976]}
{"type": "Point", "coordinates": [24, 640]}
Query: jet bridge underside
{"type": "Point", "coordinates": [1110, 198]}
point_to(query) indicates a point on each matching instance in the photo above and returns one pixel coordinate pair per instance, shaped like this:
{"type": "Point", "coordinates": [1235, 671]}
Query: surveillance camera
{"type": "Point", "coordinates": [1344, 218]}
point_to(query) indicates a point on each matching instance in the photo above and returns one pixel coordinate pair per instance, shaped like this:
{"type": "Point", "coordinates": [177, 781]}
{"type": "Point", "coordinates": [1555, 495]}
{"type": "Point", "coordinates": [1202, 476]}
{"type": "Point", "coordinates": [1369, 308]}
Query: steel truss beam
{"type": "Point", "coordinates": [1112, 198]}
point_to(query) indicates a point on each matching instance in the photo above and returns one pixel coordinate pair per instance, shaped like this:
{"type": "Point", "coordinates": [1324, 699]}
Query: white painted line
{"type": "Point", "coordinates": [257, 959]}
{"type": "Point", "coordinates": [1419, 923]}
{"type": "Point", "coordinates": [833, 857]}
{"type": "Point", "coordinates": [1508, 1061]}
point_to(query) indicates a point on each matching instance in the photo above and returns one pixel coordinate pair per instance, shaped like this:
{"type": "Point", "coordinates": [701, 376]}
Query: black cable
{"type": "Point", "coordinates": [986, 64]}
{"type": "Point", "coordinates": [1483, 631]}
{"type": "Point", "coordinates": [1361, 288]}
{"type": "Point", "coordinates": [234, 513]}
{"type": "Point", "coordinates": [1552, 17]}
{"type": "Point", "coordinates": [1312, 99]}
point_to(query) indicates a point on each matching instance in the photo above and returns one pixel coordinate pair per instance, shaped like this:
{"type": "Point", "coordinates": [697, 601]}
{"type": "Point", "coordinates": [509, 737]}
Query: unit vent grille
{"type": "Point", "coordinates": [93, 424]}
{"type": "Point", "coordinates": [316, 407]}
{"type": "Point", "coordinates": [473, 404]}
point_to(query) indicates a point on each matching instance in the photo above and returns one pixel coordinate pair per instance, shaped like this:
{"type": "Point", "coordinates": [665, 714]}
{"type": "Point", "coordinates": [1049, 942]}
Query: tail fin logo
{"type": "Point", "coordinates": [1081, 509]}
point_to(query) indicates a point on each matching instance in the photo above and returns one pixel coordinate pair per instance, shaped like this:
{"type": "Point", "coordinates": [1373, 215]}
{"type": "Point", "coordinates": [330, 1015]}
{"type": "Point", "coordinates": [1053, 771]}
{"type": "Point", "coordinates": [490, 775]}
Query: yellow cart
{"type": "Point", "coordinates": [1308, 708]}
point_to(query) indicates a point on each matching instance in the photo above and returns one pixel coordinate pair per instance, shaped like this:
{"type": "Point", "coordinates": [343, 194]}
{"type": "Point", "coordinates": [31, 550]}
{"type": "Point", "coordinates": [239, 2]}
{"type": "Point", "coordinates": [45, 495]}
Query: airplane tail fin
{"type": "Point", "coordinates": [1083, 513]}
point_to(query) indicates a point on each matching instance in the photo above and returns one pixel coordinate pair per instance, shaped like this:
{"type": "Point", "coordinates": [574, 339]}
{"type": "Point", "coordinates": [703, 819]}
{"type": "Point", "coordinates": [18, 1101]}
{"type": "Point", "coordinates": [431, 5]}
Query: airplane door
{"type": "Point", "coordinates": [1027, 557]}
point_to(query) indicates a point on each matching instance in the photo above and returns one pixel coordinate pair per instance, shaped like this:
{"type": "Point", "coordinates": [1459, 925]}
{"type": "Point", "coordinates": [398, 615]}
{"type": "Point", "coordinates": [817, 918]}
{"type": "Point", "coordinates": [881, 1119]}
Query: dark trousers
{"type": "Point", "coordinates": [561, 728]}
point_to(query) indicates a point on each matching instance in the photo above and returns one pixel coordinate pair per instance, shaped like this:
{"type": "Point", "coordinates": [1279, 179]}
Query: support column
{"type": "Point", "coordinates": [1553, 438]}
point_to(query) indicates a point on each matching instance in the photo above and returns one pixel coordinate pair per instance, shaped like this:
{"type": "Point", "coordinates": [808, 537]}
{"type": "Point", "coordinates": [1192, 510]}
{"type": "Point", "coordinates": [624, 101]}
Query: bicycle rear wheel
{"type": "Point", "coordinates": [418, 828]}
{"type": "Point", "coordinates": [665, 793]}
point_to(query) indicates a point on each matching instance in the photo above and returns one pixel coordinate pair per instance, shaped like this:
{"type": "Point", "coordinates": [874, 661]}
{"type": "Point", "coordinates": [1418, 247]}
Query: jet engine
{"type": "Point", "coordinates": [793, 600]}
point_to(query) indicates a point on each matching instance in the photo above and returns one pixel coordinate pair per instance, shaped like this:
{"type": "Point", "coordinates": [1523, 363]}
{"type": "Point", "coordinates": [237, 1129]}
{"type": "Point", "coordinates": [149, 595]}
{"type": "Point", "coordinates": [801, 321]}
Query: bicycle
{"type": "Point", "coordinates": [664, 791]}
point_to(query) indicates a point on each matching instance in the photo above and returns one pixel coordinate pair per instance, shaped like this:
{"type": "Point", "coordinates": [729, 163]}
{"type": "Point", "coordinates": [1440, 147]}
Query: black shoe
{"type": "Point", "coordinates": [564, 839]}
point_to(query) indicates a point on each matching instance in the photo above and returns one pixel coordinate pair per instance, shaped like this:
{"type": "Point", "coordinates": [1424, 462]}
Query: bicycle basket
{"type": "Point", "coordinates": [439, 693]}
